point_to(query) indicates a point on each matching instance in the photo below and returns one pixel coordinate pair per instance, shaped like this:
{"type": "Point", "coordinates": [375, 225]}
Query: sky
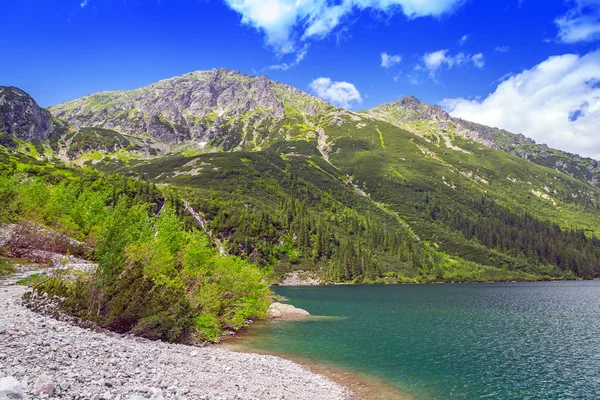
{"type": "Point", "coordinates": [528, 66]}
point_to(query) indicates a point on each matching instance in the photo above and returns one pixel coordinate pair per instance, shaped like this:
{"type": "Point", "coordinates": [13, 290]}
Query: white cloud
{"type": "Point", "coordinates": [389, 60]}
{"type": "Point", "coordinates": [581, 23]}
{"type": "Point", "coordinates": [284, 21]}
{"type": "Point", "coordinates": [502, 49]}
{"type": "Point", "coordinates": [280, 67]}
{"type": "Point", "coordinates": [339, 93]}
{"type": "Point", "coordinates": [478, 60]}
{"type": "Point", "coordinates": [435, 60]}
{"type": "Point", "coordinates": [300, 54]}
{"type": "Point", "coordinates": [556, 102]}
{"type": "Point", "coordinates": [84, 3]}
{"type": "Point", "coordinates": [463, 40]}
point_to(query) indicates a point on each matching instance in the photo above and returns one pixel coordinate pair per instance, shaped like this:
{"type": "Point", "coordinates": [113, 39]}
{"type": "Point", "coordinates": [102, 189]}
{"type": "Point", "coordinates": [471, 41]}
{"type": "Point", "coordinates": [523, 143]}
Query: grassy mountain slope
{"type": "Point", "coordinates": [399, 192]}
{"type": "Point", "coordinates": [435, 124]}
{"type": "Point", "coordinates": [390, 177]}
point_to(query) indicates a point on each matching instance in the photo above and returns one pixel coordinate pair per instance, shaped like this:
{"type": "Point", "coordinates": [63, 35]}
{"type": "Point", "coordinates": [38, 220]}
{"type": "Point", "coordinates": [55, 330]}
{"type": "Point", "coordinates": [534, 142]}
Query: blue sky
{"type": "Point", "coordinates": [483, 60]}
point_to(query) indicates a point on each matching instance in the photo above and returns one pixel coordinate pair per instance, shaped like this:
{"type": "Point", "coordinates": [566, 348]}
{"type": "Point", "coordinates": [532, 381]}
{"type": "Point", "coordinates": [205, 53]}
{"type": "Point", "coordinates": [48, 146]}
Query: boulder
{"type": "Point", "coordinates": [280, 310]}
{"type": "Point", "coordinates": [10, 389]}
{"type": "Point", "coordinates": [44, 385]}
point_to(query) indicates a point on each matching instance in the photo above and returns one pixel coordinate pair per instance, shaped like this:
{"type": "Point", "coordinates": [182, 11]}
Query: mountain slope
{"type": "Point", "coordinates": [433, 122]}
{"type": "Point", "coordinates": [222, 107]}
{"type": "Point", "coordinates": [352, 196]}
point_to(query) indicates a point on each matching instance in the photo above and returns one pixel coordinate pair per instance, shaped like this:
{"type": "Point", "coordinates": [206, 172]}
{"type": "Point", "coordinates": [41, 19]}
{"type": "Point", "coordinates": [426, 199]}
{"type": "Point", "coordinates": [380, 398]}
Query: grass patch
{"type": "Point", "coordinates": [6, 268]}
{"type": "Point", "coordinates": [33, 280]}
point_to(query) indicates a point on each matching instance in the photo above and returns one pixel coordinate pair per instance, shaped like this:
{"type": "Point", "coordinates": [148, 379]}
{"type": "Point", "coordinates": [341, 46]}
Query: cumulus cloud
{"type": "Point", "coordinates": [339, 93]}
{"type": "Point", "coordinates": [556, 102]}
{"type": "Point", "coordinates": [463, 40]}
{"type": "Point", "coordinates": [285, 21]}
{"type": "Point", "coordinates": [581, 23]}
{"type": "Point", "coordinates": [435, 60]}
{"type": "Point", "coordinates": [502, 49]}
{"type": "Point", "coordinates": [84, 3]}
{"type": "Point", "coordinates": [388, 60]}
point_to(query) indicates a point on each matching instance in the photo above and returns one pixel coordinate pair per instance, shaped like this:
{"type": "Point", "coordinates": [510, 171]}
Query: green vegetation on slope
{"type": "Point", "coordinates": [158, 275]}
{"type": "Point", "coordinates": [295, 183]}
{"type": "Point", "coordinates": [391, 204]}
{"type": "Point", "coordinates": [288, 208]}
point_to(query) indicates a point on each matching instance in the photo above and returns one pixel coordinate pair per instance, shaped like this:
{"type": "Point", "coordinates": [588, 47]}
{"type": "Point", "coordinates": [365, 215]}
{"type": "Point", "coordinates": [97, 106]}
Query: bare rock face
{"type": "Point", "coordinates": [299, 278]}
{"type": "Point", "coordinates": [21, 117]}
{"type": "Point", "coordinates": [280, 310]}
{"type": "Point", "coordinates": [409, 110]}
{"type": "Point", "coordinates": [202, 105]}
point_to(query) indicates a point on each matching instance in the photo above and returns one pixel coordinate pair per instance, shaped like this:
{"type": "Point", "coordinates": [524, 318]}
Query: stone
{"type": "Point", "coordinates": [156, 394]}
{"type": "Point", "coordinates": [44, 385]}
{"type": "Point", "coordinates": [280, 310]}
{"type": "Point", "coordinates": [65, 385]}
{"type": "Point", "coordinates": [3, 329]}
{"type": "Point", "coordinates": [10, 388]}
{"type": "Point", "coordinates": [172, 389]}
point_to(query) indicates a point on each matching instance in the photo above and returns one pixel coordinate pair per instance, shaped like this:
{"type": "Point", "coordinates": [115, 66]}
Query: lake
{"type": "Point", "coordinates": [450, 341]}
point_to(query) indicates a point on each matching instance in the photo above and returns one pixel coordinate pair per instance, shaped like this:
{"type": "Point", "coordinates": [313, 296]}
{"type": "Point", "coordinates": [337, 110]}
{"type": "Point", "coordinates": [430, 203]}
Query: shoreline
{"type": "Point", "coordinates": [429, 282]}
{"type": "Point", "coordinates": [364, 387]}
{"type": "Point", "coordinates": [43, 355]}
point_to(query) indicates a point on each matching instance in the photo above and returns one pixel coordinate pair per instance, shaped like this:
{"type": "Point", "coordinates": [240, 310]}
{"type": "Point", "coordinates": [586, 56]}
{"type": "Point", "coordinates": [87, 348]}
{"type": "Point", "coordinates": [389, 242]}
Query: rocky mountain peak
{"type": "Point", "coordinates": [21, 117]}
{"type": "Point", "coordinates": [194, 106]}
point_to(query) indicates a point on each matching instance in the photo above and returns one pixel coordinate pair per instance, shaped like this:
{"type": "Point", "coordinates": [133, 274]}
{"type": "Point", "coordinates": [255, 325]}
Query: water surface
{"type": "Point", "coordinates": [452, 341]}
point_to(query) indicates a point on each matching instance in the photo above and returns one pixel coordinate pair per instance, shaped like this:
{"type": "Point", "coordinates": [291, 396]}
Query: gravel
{"type": "Point", "coordinates": [41, 357]}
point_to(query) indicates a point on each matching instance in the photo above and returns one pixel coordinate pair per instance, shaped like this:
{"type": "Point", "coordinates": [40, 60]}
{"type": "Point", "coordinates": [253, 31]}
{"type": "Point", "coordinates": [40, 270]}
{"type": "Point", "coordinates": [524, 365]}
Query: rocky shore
{"type": "Point", "coordinates": [300, 278]}
{"type": "Point", "coordinates": [41, 357]}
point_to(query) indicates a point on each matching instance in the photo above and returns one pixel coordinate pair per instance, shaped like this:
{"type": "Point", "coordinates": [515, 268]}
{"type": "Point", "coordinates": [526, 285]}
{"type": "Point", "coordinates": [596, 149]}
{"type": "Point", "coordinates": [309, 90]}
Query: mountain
{"type": "Point", "coordinates": [402, 192]}
{"type": "Point", "coordinates": [224, 107]}
{"type": "Point", "coordinates": [434, 123]}
{"type": "Point", "coordinates": [21, 117]}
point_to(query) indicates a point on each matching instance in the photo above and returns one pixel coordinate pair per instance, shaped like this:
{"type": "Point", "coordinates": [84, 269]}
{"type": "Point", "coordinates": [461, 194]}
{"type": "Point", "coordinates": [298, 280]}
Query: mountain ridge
{"type": "Point", "coordinates": [222, 112]}
{"type": "Point", "coordinates": [349, 196]}
{"type": "Point", "coordinates": [410, 113]}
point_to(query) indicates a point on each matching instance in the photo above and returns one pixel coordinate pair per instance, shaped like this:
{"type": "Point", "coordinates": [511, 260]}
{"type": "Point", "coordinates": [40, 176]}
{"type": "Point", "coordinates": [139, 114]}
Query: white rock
{"type": "Point", "coordinates": [157, 394]}
{"type": "Point", "coordinates": [280, 310]}
{"type": "Point", "coordinates": [10, 388]}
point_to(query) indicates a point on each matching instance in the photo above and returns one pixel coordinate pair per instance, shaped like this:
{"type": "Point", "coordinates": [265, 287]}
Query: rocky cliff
{"type": "Point", "coordinates": [200, 106]}
{"type": "Point", "coordinates": [21, 117]}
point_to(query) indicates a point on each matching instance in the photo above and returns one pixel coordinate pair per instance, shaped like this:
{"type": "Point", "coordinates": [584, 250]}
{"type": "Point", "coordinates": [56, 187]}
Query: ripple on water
{"type": "Point", "coordinates": [460, 341]}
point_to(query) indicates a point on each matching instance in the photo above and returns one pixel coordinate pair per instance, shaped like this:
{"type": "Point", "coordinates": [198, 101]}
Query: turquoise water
{"type": "Point", "coordinates": [452, 341]}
